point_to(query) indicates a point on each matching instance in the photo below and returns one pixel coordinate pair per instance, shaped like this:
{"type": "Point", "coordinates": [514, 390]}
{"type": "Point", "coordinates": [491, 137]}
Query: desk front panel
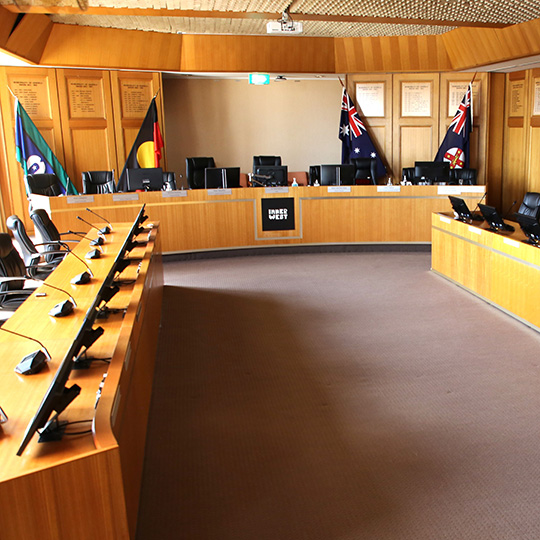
{"type": "Point", "coordinates": [501, 268]}
{"type": "Point", "coordinates": [205, 220]}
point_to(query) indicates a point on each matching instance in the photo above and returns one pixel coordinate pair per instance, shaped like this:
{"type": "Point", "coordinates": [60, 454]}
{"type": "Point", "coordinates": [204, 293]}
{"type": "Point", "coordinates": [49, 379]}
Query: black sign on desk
{"type": "Point", "coordinates": [278, 214]}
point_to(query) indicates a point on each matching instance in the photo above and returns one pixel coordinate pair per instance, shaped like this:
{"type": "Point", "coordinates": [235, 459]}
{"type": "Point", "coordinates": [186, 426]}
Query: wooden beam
{"type": "Point", "coordinates": [181, 13]}
{"type": "Point", "coordinates": [29, 38]}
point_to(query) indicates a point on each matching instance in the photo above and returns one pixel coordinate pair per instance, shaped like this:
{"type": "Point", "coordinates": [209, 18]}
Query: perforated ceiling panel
{"type": "Point", "coordinates": [331, 18]}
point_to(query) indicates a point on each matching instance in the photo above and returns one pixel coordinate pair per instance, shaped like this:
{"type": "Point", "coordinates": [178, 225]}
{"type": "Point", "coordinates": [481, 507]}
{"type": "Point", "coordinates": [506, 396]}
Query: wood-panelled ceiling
{"type": "Point", "coordinates": [350, 35]}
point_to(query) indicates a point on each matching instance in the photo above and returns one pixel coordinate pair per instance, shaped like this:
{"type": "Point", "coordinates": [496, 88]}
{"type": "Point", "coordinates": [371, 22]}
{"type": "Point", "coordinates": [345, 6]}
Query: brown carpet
{"type": "Point", "coordinates": [339, 397]}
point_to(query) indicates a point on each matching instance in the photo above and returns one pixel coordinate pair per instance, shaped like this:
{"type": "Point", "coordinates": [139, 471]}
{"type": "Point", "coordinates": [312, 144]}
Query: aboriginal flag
{"type": "Point", "coordinates": [146, 150]}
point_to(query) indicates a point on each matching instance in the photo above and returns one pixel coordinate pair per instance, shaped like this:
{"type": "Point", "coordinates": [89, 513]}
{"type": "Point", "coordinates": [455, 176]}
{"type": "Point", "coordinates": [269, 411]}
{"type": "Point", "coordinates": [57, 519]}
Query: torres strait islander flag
{"type": "Point", "coordinates": [455, 146]}
{"type": "Point", "coordinates": [146, 150]}
{"type": "Point", "coordinates": [356, 142]}
{"type": "Point", "coordinates": [33, 152]}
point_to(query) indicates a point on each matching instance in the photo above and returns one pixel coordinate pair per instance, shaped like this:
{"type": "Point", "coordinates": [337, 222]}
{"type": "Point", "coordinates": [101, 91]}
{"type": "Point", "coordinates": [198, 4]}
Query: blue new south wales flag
{"type": "Point", "coordinates": [356, 142]}
{"type": "Point", "coordinates": [34, 154]}
{"type": "Point", "coordinates": [455, 145]}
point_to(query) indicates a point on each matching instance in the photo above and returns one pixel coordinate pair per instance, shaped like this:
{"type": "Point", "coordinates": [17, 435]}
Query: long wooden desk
{"type": "Point", "coordinates": [85, 486]}
{"type": "Point", "coordinates": [500, 268]}
{"type": "Point", "coordinates": [195, 220]}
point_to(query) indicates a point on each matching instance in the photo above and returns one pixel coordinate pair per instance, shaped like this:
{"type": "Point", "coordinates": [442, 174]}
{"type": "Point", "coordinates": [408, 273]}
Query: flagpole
{"type": "Point", "coordinates": [11, 92]}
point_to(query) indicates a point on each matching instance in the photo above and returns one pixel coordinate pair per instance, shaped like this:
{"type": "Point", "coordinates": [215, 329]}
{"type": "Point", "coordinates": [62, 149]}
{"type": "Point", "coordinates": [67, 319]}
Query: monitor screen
{"type": "Point", "coordinates": [460, 208]}
{"type": "Point", "coordinates": [530, 227]}
{"type": "Point", "coordinates": [270, 175]}
{"type": "Point", "coordinates": [496, 222]}
{"type": "Point", "coordinates": [58, 397]}
{"type": "Point", "coordinates": [431, 171]}
{"type": "Point", "coordinates": [337, 175]}
{"type": "Point", "coordinates": [221, 177]}
{"type": "Point", "coordinates": [145, 179]}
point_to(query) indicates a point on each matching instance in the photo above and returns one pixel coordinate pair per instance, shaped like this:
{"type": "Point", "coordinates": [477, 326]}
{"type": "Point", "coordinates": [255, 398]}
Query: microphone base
{"type": "Point", "coordinates": [31, 363]}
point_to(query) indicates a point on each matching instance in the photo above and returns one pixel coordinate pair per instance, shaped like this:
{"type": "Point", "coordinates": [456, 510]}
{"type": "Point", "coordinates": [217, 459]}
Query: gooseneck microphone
{"type": "Point", "coordinates": [79, 279]}
{"type": "Point", "coordinates": [479, 202]}
{"type": "Point", "coordinates": [33, 362]}
{"type": "Point", "coordinates": [101, 217]}
{"type": "Point", "coordinates": [99, 241]}
{"type": "Point", "coordinates": [104, 230]}
{"type": "Point", "coordinates": [58, 289]}
{"type": "Point", "coordinates": [509, 210]}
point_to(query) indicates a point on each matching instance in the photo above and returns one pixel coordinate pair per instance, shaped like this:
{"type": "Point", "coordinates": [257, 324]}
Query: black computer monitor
{"type": "Point", "coordinates": [221, 177]}
{"type": "Point", "coordinates": [148, 179]}
{"type": "Point", "coordinates": [496, 222]}
{"type": "Point", "coordinates": [431, 171]}
{"type": "Point", "coordinates": [460, 208]}
{"type": "Point", "coordinates": [530, 227]}
{"type": "Point", "coordinates": [337, 175]}
{"type": "Point", "coordinates": [58, 396]}
{"type": "Point", "coordinates": [270, 176]}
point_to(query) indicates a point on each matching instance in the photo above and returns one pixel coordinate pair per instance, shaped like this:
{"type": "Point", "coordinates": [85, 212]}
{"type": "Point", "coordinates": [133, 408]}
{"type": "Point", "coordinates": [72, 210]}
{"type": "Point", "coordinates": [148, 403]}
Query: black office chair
{"type": "Point", "coordinates": [195, 170]}
{"type": "Point", "coordinates": [530, 205]}
{"type": "Point", "coordinates": [36, 266]}
{"type": "Point", "coordinates": [52, 239]}
{"type": "Point", "coordinates": [169, 182]}
{"type": "Point", "coordinates": [13, 277]}
{"type": "Point", "coordinates": [365, 171]}
{"type": "Point", "coordinates": [314, 174]}
{"type": "Point", "coordinates": [98, 182]}
{"type": "Point", "coordinates": [43, 184]}
{"type": "Point", "coordinates": [467, 176]}
{"type": "Point", "coordinates": [407, 174]}
{"type": "Point", "coordinates": [265, 161]}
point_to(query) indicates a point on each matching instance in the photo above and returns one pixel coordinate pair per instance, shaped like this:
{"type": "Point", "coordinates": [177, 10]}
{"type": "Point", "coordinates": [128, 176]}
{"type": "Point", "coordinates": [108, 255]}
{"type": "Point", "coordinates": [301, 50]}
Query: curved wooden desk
{"type": "Point", "coordinates": [209, 220]}
{"type": "Point", "coordinates": [500, 268]}
{"type": "Point", "coordinates": [84, 486]}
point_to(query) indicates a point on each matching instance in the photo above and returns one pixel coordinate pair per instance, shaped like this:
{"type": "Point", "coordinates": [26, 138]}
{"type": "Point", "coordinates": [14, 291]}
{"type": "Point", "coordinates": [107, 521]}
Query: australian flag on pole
{"type": "Point", "coordinates": [354, 137]}
{"type": "Point", "coordinates": [455, 146]}
{"type": "Point", "coordinates": [34, 154]}
{"type": "Point", "coordinates": [146, 150]}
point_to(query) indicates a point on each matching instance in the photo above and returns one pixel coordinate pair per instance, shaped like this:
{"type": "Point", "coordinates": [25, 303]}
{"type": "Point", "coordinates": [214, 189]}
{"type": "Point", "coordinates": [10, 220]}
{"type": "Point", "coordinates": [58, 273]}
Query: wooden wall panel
{"type": "Point", "coordinates": [515, 182]}
{"type": "Point", "coordinates": [88, 122]}
{"type": "Point", "coordinates": [132, 93]}
{"type": "Point", "coordinates": [416, 138]}
{"type": "Point", "coordinates": [380, 128]}
{"type": "Point", "coordinates": [36, 90]}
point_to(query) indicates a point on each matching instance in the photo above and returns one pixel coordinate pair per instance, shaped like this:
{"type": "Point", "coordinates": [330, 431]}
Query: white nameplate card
{"type": "Point", "coordinates": [444, 219]}
{"type": "Point", "coordinates": [176, 193]}
{"type": "Point", "coordinates": [277, 189]}
{"type": "Point", "coordinates": [221, 191]}
{"type": "Point", "coordinates": [512, 243]}
{"type": "Point", "coordinates": [472, 189]}
{"type": "Point", "coordinates": [125, 197]}
{"type": "Point", "coordinates": [339, 189]}
{"type": "Point", "coordinates": [449, 190]}
{"type": "Point", "coordinates": [475, 230]}
{"type": "Point", "coordinates": [80, 199]}
{"type": "Point", "coordinates": [388, 189]}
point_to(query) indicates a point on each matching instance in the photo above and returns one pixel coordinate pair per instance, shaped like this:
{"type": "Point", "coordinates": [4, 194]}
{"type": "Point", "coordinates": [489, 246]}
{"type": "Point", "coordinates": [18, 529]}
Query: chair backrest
{"type": "Point", "coordinates": [16, 226]}
{"type": "Point", "coordinates": [530, 205]}
{"type": "Point", "coordinates": [195, 170]}
{"type": "Point", "coordinates": [169, 181]}
{"type": "Point", "coordinates": [11, 264]}
{"type": "Point", "coordinates": [43, 184]}
{"type": "Point", "coordinates": [467, 176]}
{"type": "Point", "coordinates": [266, 161]}
{"type": "Point", "coordinates": [48, 232]}
{"type": "Point", "coordinates": [314, 174]}
{"type": "Point", "coordinates": [365, 170]}
{"type": "Point", "coordinates": [98, 182]}
{"type": "Point", "coordinates": [407, 173]}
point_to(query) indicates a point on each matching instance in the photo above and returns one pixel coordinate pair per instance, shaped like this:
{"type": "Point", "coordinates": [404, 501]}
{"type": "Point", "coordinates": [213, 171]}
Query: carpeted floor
{"type": "Point", "coordinates": [339, 396]}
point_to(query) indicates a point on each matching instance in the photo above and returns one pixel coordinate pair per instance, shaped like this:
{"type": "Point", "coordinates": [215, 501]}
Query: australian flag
{"type": "Point", "coordinates": [354, 137]}
{"type": "Point", "coordinates": [34, 154]}
{"type": "Point", "coordinates": [455, 146]}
